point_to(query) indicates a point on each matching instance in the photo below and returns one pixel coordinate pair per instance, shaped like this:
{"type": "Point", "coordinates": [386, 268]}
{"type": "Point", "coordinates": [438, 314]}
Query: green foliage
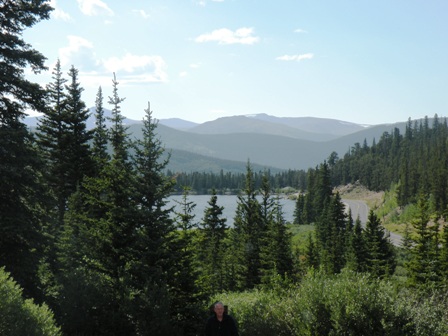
{"type": "Point", "coordinates": [424, 264]}
{"type": "Point", "coordinates": [22, 195]}
{"type": "Point", "coordinates": [211, 247]}
{"type": "Point", "coordinates": [300, 235]}
{"type": "Point", "coordinates": [345, 304]}
{"type": "Point", "coordinates": [22, 317]}
{"type": "Point", "coordinates": [380, 256]}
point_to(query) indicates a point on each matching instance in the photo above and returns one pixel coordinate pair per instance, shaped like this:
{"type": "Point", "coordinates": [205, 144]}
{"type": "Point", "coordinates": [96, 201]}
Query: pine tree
{"type": "Point", "coordinates": [151, 304]}
{"type": "Point", "coordinates": [444, 255]}
{"type": "Point", "coordinates": [423, 265]}
{"type": "Point", "coordinates": [246, 236]}
{"type": "Point", "coordinates": [22, 197]}
{"type": "Point", "coordinates": [183, 282]}
{"type": "Point", "coordinates": [331, 235]}
{"type": "Point", "coordinates": [212, 247]}
{"type": "Point", "coordinates": [98, 244]}
{"type": "Point", "coordinates": [78, 137]}
{"type": "Point", "coordinates": [311, 253]}
{"type": "Point", "coordinates": [380, 257]}
{"type": "Point", "coordinates": [52, 131]}
{"type": "Point", "coordinates": [299, 209]}
{"type": "Point", "coordinates": [276, 252]}
{"type": "Point", "coordinates": [356, 249]}
{"type": "Point", "coordinates": [100, 134]}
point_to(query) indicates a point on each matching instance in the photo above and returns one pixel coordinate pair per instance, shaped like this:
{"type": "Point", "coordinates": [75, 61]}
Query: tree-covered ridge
{"type": "Point", "coordinates": [416, 160]}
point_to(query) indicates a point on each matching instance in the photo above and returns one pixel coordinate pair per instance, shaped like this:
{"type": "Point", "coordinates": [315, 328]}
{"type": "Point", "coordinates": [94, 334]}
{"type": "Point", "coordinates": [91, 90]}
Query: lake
{"type": "Point", "coordinates": [229, 202]}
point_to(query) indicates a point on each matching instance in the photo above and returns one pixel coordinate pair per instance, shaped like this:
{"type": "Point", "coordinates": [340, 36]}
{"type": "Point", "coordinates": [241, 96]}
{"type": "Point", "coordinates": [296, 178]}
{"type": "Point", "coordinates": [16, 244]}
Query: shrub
{"type": "Point", "coordinates": [22, 317]}
{"type": "Point", "coordinates": [345, 304]}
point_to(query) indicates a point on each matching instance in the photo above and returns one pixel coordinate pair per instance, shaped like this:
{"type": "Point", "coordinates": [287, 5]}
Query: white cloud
{"type": "Point", "coordinates": [79, 52]}
{"type": "Point", "coordinates": [138, 68]}
{"type": "Point", "coordinates": [298, 30]}
{"type": "Point", "coordinates": [142, 13]}
{"type": "Point", "coordinates": [295, 57]}
{"type": "Point", "coordinates": [94, 7]}
{"type": "Point", "coordinates": [58, 13]}
{"type": "Point", "coordinates": [195, 65]}
{"type": "Point", "coordinates": [183, 74]}
{"type": "Point", "coordinates": [226, 36]}
{"type": "Point", "coordinates": [130, 68]}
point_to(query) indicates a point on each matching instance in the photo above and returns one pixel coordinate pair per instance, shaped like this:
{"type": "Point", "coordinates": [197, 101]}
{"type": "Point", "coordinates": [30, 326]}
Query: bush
{"type": "Point", "coordinates": [345, 304]}
{"type": "Point", "coordinates": [22, 317]}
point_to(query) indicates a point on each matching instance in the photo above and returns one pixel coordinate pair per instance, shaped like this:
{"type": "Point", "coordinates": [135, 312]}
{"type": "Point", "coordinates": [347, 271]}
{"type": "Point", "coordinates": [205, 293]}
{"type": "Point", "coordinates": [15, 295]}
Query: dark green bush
{"type": "Point", "coordinates": [22, 317]}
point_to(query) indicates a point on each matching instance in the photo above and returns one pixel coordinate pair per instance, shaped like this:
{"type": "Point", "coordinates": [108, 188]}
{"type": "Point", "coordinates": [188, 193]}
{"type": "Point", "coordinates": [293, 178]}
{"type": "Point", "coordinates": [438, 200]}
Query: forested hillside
{"type": "Point", "coordinates": [88, 245]}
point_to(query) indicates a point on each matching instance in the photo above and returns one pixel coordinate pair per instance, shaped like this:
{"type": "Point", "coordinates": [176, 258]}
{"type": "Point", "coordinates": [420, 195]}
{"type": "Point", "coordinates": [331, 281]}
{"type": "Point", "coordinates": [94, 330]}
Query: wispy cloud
{"type": "Point", "coordinates": [79, 51]}
{"type": "Point", "coordinates": [295, 57]}
{"type": "Point", "coordinates": [226, 36]}
{"type": "Point", "coordinates": [58, 13]}
{"type": "Point", "coordinates": [300, 31]}
{"type": "Point", "coordinates": [142, 13]}
{"type": "Point", "coordinates": [94, 7]}
{"type": "Point", "coordinates": [137, 68]}
{"type": "Point", "coordinates": [131, 68]}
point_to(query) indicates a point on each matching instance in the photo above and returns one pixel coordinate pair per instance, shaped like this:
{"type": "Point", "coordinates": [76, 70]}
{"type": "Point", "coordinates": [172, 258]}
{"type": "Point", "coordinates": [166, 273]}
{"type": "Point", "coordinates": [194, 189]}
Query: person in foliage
{"type": "Point", "coordinates": [220, 324]}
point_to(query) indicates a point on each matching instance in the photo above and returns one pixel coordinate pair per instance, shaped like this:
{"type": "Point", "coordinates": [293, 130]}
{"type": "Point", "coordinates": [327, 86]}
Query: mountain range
{"type": "Point", "coordinates": [268, 142]}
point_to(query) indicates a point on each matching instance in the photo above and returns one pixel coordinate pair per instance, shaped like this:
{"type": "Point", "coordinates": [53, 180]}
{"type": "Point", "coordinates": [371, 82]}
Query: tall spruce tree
{"type": "Point", "coordinates": [299, 207]}
{"type": "Point", "coordinates": [246, 237]}
{"type": "Point", "coordinates": [100, 134]}
{"type": "Point", "coordinates": [356, 249]}
{"type": "Point", "coordinates": [380, 256]}
{"type": "Point", "coordinates": [98, 245]}
{"type": "Point", "coordinates": [52, 132]}
{"type": "Point", "coordinates": [183, 281]}
{"type": "Point", "coordinates": [21, 195]}
{"type": "Point", "coordinates": [212, 247]}
{"type": "Point", "coordinates": [423, 266]}
{"type": "Point", "coordinates": [78, 137]}
{"type": "Point", "coordinates": [276, 251]}
{"type": "Point", "coordinates": [155, 234]}
{"type": "Point", "coordinates": [331, 235]}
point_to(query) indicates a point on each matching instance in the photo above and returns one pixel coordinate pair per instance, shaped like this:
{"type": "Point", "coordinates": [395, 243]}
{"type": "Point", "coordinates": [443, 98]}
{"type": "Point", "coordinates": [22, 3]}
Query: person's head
{"type": "Point", "coordinates": [219, 309]}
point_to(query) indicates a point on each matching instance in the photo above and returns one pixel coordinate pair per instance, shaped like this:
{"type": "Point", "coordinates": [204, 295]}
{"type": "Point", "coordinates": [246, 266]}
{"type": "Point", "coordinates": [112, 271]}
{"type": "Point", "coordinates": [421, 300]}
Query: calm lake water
{"type": "Point", "coordinates": [229, 202]}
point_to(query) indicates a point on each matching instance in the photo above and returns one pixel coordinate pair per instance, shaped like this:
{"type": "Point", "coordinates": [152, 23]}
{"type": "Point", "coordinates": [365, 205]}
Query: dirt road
{"type": "Point", "coordinates": [360, 208]}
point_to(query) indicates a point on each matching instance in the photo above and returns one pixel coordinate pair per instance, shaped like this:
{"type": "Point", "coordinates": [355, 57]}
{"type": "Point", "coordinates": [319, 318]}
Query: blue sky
{"type": "Point", "coordinates": [368, 62]}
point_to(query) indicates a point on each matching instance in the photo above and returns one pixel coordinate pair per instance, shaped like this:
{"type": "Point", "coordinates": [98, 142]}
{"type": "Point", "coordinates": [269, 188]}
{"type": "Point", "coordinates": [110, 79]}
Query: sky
{"type": "Point", "coordinates": [362, 61]}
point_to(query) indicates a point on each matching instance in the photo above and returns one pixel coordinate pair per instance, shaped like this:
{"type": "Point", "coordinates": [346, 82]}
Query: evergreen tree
{"type": "Point", "coordinates": [356, 249]}
{"type": "Point", "coordinates": [380, 257]}
{"type": "Point", "coordinates": [183, 288]}
{"type": "Point", "coordinates": [299, 209]}
{"type": "Point", "coordinates": [212, 247]}
{"type": "Point", "coordinates": [155, 234]}
{"type": "Point", "coordinates": [98, 245]}
{"type": "Point", "coordinates": [444, 255]}
{"type": "Point", "coordinates": [22, 197]}
{"type": "Point", "coordinates": [423, 266]}
{"type": "Point", "coordinates": [246, 236]}
{"type": "Point", "coordinates": [311, 254]}
{"type": "Point", "coordinates": [78, 137]}
{"type": "Point", "coordinates": [100, 134]}
{"type": "Point", "coordinates": [276, 253]}
{"type": "Point", "coordinates": [331, 235]}
{"type": "Point", "coordinates": [53, 139]}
